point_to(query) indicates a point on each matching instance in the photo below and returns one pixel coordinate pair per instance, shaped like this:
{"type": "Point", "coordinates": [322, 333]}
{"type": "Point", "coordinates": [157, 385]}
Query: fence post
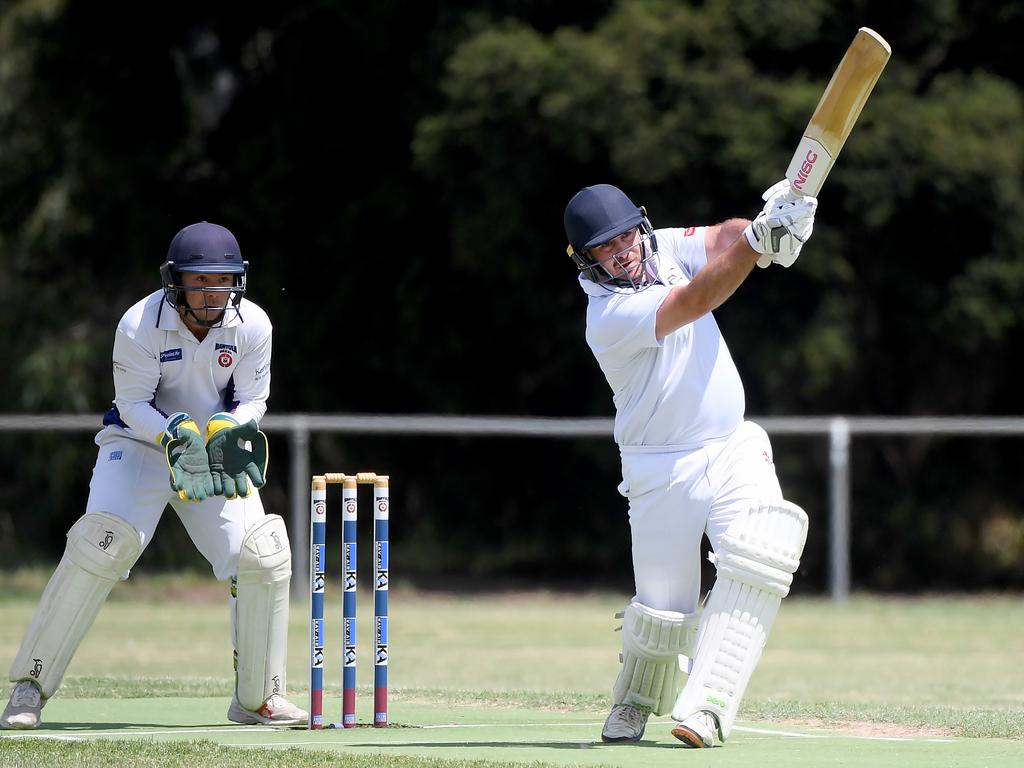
{"type": "Point", "coordinates": [839, 509]}
{"type": "Point", "coordinates": [298, 494]}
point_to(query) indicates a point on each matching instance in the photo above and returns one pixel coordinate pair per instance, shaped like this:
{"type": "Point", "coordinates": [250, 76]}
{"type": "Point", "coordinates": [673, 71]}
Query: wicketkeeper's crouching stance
{"type": "Point", "coordinates": [199, 351]}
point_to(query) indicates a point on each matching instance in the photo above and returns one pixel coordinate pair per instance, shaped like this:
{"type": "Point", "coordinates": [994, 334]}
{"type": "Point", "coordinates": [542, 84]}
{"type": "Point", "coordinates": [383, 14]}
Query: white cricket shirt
{"type": "Point", "coordinates": [160, 368]}
{"type": "Point", "coordinates": [682, 391]}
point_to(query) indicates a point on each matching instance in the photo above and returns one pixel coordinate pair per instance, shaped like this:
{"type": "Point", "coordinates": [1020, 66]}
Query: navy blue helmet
{"type": "Point", "coordinates": [209, 249]}
{"type": "Point", "coordinates": [598, 214]}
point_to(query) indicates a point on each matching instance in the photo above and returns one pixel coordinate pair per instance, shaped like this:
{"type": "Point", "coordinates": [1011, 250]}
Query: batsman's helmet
{"type": "Point", "coordinates": [597, 214]}
{"type": "Point", "coordinates": [209, 249]}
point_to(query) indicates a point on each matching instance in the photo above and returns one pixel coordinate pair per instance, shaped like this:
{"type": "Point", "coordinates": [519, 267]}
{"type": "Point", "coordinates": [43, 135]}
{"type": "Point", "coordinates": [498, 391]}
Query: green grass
{"type": "Point", "coordinates": [935, 665]}
{"type": "Point", "coordinates": [205, 753]}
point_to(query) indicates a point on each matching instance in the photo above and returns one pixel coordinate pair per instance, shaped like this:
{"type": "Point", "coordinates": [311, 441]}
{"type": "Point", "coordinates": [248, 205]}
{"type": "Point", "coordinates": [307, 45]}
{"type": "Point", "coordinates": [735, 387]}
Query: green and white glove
{"type": "Point", "coordinates": [232, 465]}
{"type": "Point", "coordinates": [186, 458]}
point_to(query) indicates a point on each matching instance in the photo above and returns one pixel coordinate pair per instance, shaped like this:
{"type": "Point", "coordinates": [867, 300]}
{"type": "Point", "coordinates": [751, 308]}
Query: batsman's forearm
{"type": "Point", "coordinates": [720, 278]}
{"type": "Point", "coordinates": [715, 283]}
{"type": "Point", "coordinates": [719, 237]}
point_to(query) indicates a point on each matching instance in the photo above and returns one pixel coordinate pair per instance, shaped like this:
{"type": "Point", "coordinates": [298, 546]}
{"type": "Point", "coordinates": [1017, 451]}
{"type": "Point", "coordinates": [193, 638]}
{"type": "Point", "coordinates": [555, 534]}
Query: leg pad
{"type": "Point", "coordinates": [101, 549]}
{"type": "Point", "coordinates": [655, 650]}
{"type": "Point", "coordinates": [756, 561]}
{"type": "Point", "coordinates": [261, 612]}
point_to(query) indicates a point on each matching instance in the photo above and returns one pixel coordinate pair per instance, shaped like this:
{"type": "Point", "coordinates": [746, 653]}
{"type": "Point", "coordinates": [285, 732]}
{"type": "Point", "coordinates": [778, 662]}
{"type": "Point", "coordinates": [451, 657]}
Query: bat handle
{"type": "Point", "coordinates": [810, 165]}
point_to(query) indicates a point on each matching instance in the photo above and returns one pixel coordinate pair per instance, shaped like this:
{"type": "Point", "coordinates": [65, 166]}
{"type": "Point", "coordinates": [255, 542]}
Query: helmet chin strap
{"type": "Point", "coordinates": [191, 315]}
{"type": "Point", "coordinates": [651, 275]}
{"type": "Point", "coordinates": [191, 311]}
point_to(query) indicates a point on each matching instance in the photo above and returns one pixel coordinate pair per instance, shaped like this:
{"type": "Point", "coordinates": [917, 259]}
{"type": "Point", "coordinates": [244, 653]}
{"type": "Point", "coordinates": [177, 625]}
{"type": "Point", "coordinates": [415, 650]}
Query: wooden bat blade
{"type": "Point", "coordinates": [837, 111]}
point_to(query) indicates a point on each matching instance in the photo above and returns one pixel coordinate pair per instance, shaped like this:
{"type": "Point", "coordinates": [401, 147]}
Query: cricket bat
{"type": "Point", "coordinates": [837, 111]}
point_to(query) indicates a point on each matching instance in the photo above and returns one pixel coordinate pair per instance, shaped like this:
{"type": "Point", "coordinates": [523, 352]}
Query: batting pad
{"type": "Point", "coordinates": [655, 647]}
{"type": "Point", "coordinates": [261, 612]}
{"type": "Point", "coordinates": [756, 561]}
{"type": "Point", "coordinates": [101, 549]}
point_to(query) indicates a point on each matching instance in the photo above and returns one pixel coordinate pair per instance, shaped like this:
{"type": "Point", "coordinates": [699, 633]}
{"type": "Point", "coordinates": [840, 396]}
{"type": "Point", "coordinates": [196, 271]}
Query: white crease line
{"type": "Point", "coordinates": [769, 732]}
{"type": "Point", "coordinates": [507, 725]}
{"type": "Point", "coordinates": [79, 735]}
{"type": "Point", "coordinates": [582, 744]}
{"type": "Point", "coordinates": [745, 729]}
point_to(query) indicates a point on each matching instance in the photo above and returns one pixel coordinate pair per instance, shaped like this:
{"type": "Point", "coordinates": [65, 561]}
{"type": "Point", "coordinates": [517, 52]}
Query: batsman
{"type": "Point", "coordinates": [191, 367]}
{"type": "Point", "coordinates": [691, 464]}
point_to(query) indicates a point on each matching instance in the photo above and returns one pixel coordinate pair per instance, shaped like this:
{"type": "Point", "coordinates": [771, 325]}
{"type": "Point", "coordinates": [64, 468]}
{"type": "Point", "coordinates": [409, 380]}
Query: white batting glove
{"type": "Point", "coordinates": [783, 225]}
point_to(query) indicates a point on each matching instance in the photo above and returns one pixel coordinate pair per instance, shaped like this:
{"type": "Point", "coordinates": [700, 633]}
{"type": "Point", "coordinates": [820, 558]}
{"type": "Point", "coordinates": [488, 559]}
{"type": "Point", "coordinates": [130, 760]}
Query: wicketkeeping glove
{"type": "Point", "coordinates": [783, 226]}
{"type": "Point", "coordinates": [186, 458]}
{"type": "Point", "coordinates": [232, 465]}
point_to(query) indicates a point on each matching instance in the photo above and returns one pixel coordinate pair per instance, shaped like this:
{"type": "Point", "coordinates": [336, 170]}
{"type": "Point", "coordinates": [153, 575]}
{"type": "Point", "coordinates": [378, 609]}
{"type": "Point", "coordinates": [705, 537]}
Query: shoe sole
{"type": "Point", "coordinates": [621, 739]}
{"type": "Point", "coordinates": [268, 722]}
{"type": "Point", "coordinates": [688, 737]}
{"type": "Point", "coordinates": [244, 717]}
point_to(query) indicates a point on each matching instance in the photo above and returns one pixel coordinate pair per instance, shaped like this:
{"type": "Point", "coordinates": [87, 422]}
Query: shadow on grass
{"type": "Point", "coordinates": [570, 745]}
{"type": "Point", "coordinates": [128, 728]}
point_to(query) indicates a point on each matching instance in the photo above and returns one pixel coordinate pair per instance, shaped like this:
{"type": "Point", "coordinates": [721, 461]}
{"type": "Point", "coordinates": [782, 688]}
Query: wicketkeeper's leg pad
{"type": "Point", "coordinates": [656, 646]}
{"type": "Point", "coordinates": [756, 560]}
{"type": "Point", "coordinates": [261, 612]}
{"type": "Point", "coordinates": [101, 549]}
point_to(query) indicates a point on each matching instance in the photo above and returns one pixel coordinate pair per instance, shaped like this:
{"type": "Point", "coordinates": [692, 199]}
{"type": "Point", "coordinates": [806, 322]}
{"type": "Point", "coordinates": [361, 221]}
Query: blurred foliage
{"type": "Point", "coordinates": [399, 173]}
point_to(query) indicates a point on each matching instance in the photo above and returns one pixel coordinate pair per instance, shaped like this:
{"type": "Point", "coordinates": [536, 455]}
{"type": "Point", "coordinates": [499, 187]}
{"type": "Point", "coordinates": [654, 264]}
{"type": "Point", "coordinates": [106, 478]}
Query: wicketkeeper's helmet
{"type": "Point", "coordinates": [209, 249]}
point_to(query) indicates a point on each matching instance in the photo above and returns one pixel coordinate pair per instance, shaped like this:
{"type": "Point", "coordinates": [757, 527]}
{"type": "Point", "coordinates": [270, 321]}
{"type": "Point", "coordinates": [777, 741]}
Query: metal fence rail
{"type": "Point", "coordinates": [299, 426]}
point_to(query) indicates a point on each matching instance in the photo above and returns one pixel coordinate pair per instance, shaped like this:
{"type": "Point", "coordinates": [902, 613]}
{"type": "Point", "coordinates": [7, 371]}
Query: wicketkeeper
{"type": "Point", "coordinates": [191, 380]}
{"type": "Point", "coordinates": [690, 463]}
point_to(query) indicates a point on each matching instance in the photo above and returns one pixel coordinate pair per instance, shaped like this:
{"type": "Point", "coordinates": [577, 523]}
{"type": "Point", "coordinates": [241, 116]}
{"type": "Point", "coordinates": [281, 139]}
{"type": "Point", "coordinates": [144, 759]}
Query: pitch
{"type": "Point", "coordinates": [523, 678]}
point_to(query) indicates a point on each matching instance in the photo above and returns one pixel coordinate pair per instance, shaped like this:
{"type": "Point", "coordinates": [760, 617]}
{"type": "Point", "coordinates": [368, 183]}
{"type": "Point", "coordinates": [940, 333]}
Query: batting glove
{"type": "Point", "coordinates": [783, 225]}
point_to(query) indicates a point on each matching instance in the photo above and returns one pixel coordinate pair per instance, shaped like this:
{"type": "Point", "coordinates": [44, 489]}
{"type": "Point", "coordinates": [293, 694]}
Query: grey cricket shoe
{"type": "Point", "coordinates": [276, 710]}
{"type": "Point", "coordinates": [23, 709]}
{"type": "Point", "coordinates": [698, 730]}
{"type": "Point", "coordinates": [625, 723]}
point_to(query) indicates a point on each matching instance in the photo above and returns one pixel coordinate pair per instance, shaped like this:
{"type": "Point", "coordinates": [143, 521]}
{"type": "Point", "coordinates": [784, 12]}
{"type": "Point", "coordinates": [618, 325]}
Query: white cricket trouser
{"type": "Point", "coordinates": [131, 480]}
{"type": "Point", "coordinates": [677, 495]}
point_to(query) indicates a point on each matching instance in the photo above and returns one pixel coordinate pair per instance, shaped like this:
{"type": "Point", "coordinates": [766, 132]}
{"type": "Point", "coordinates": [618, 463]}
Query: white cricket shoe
{"type": "Point", "coordinates": [625, 723]}
{"type": "Point", "coordinates": [23, 709]}
{"type": "Point", "coordinates": [277, 710]}
{"type": "Point", "coordinates": [698, 730]}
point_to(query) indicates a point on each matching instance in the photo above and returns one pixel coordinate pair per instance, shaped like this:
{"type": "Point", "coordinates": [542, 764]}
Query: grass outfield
{"type": "Point", "coordinates": [523, 678]}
